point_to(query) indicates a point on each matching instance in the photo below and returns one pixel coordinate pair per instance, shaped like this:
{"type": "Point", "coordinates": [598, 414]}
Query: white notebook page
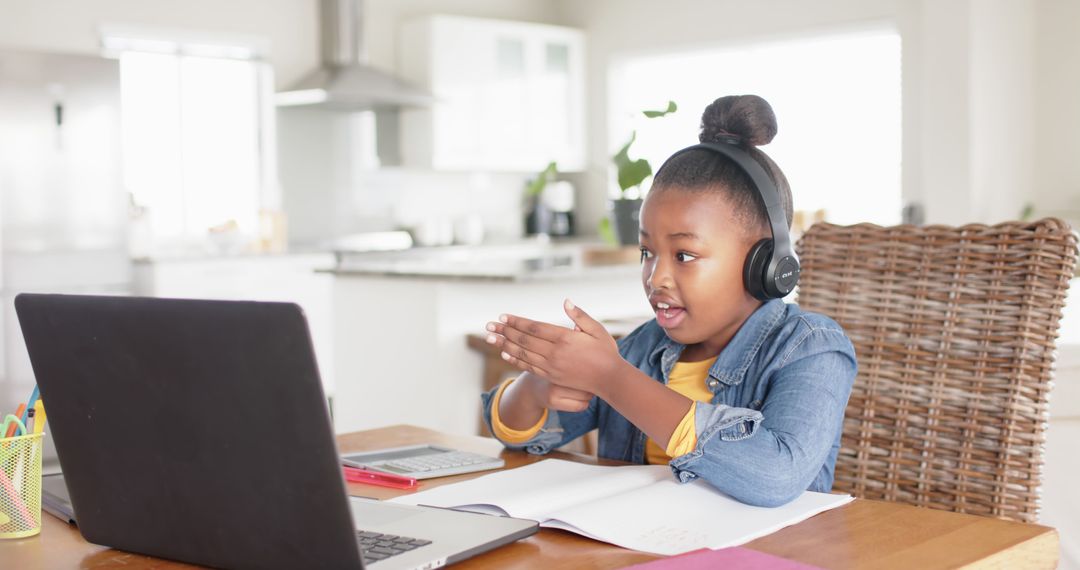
{"type": "Point", "coordinates": [641, 507]}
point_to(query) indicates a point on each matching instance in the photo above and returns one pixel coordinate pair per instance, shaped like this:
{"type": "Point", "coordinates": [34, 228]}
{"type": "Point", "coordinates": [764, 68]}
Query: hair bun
{"type": "Point", "coordinates": [748, 118]}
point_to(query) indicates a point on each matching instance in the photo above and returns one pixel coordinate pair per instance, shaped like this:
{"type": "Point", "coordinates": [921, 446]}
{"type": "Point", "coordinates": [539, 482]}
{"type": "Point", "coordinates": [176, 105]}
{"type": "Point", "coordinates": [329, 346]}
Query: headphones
{"type": "Point", "coordinates": [772, 268]}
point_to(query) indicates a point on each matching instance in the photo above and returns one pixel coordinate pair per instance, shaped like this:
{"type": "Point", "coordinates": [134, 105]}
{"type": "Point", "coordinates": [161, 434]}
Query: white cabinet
{"type": "Point", "coordinates": [510, 95]}
{"type": "Point", "coordinates": [289, 278]}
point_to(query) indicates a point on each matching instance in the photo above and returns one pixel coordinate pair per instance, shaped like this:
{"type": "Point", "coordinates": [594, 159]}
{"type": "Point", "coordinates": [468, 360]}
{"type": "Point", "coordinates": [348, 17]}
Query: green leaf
{"type": "Point", "coordinates": [1027, 212]}
{"type": "Point", "coordinates": [622, 158]}
{"type": "Point", "coordinates": [671, 108]}
{"type": "Point", "coordinates": [607, 233]}
{"type": "Point", "coordinates": [630, 172]}
{"type": "Point", "coordinates": [634, 173]}
{"type": "Point", "coordinates": [535, 187]}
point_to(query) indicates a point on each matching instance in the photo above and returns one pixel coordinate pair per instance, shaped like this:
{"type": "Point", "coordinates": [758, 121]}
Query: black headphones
{"type": "Point", "coordinates": [772, 268]}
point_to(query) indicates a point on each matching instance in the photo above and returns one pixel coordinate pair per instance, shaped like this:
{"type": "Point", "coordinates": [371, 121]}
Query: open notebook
{"type": "Point", "coordinates": [641, 507]}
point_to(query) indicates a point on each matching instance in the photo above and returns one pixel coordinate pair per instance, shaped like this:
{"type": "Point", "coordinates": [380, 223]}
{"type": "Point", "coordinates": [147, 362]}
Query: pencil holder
{"type": "Point", "coordinates": [20, 485]}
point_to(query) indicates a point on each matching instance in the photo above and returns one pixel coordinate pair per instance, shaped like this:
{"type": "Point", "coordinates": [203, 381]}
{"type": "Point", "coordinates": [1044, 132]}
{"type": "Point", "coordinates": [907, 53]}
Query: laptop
{"type": "Point", "coordinates": [198, 431]}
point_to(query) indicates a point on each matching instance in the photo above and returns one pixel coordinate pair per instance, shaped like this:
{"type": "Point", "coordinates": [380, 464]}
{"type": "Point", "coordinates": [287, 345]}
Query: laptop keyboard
{"type": "Point", "coordinates": [377, 546]}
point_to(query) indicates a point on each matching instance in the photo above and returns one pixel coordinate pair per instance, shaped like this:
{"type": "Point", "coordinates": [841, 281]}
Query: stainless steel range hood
{"type": "Point", "coordinates": [344, 81]}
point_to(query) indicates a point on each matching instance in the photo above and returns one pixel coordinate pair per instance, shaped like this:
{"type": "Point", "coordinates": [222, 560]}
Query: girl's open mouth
{"type": "Point", "coordinates": [668, 316]}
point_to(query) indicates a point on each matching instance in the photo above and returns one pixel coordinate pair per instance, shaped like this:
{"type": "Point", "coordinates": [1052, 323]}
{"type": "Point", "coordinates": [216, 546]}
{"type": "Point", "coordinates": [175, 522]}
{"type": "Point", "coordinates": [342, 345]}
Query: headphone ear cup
{"type": "Point", "coordinates": [757, 263]}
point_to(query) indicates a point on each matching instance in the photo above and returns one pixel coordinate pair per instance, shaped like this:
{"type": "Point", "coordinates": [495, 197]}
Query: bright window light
{"type": "Point", "coordinates": [837, 102]}
{"type": "Point", "coordinates": [191, 129]}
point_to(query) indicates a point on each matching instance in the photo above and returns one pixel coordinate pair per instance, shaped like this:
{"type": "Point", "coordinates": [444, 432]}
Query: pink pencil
{"type": "Point", "coordinates": [10, 490]}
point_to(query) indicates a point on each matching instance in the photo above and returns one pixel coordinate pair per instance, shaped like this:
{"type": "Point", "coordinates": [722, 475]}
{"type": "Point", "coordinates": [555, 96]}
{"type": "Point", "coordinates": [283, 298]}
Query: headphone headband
{"type": "Point", "coordinates": [772, 268]}
{"type": "Point", "coordinates": [762, 184]}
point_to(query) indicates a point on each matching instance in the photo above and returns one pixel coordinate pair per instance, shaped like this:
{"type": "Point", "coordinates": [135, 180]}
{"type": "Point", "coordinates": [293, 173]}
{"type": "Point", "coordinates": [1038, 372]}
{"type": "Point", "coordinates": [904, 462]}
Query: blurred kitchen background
{"type": "Point", "coordinates": [370, 159]}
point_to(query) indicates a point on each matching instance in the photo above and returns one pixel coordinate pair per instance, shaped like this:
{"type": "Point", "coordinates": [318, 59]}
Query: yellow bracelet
{"type": "Point", "coordinates": [510, 435]}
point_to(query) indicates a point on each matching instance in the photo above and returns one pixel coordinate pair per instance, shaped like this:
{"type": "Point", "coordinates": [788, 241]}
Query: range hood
{"type": "Point", "coordinates": [344, 81]}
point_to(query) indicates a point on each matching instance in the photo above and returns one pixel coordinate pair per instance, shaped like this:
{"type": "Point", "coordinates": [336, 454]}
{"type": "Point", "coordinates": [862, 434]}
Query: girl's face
{"type": "Point", "coordinates": [693, 252]}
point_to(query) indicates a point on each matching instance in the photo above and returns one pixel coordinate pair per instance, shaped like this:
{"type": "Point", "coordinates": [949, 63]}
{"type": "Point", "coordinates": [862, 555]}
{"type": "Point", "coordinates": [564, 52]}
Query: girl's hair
{"type": "Point", "coordinates": [750, 121]}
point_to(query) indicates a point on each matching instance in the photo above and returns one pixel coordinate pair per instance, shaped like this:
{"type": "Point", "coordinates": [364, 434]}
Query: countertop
{"type": "Point", "coordinates": [196, 255]}
{"type": "Point", "coordinates": [514, 262]}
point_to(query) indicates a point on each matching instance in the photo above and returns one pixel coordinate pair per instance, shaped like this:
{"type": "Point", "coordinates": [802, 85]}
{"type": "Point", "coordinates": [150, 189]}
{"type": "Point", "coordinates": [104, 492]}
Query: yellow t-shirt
{"type": "Point", "coordinates": [686, 378]}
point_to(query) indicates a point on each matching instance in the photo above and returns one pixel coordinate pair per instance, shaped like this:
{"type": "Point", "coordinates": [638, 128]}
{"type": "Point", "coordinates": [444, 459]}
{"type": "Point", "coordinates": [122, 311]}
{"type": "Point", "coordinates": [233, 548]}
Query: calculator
{"type": "Point", "coordinates": [422, 461]}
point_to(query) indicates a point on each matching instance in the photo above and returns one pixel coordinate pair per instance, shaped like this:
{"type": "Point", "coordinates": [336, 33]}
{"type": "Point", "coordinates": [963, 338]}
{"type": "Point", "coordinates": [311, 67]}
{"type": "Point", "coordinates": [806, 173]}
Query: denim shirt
{"type": "Point", "coordinates": [772, 428]}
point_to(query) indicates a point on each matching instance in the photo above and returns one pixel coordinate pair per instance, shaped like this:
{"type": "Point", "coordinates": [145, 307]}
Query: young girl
{"type": "Point", "coordinates": [748, 395]}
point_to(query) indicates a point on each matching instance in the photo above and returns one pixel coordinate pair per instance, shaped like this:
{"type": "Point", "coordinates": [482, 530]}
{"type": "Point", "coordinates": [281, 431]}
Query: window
{"type": "Point", "coordinates": [194, 137]}
{"type": "Point", "coordinates": [837, 102]}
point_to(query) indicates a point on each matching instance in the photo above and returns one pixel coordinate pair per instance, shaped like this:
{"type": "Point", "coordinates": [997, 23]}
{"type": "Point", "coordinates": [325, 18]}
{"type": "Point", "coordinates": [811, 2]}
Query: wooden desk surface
{"type": "Point", "coordinates": [862, 534]}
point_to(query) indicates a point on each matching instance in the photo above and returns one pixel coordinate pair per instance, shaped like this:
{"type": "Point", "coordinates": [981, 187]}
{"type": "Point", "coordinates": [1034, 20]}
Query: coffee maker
{"type": "Point", "coordinates": [553, 212]}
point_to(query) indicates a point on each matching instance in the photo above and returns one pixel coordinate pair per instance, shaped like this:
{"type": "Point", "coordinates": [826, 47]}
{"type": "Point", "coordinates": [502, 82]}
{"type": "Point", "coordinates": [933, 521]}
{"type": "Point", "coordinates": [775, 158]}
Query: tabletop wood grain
{"type": "Point", "coordinates": [861, 534]}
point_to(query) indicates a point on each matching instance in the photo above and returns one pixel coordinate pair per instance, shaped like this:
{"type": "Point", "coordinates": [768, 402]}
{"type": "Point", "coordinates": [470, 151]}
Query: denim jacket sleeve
{"type": "Point", "coordinates": [559, 429]}
{"type": "Point", "coordinates": [769, 457]}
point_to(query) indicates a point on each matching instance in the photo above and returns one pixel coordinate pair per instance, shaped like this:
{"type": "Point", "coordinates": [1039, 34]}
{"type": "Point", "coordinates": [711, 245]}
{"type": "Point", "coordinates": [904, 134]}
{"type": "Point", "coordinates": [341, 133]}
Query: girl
{"type": "Point", "coordinates": [748, 395]}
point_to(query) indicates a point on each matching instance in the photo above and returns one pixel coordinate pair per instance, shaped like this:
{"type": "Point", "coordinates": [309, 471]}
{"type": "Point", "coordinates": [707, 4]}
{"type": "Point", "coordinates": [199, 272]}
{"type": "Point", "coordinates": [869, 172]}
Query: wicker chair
{"type": "Point", "coordinates": [954, 332]}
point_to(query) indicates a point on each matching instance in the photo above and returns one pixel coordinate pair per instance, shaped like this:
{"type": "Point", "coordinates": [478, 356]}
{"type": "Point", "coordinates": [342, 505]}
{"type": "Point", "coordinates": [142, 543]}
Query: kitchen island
{"type": "Point", "coordinates": [401, 320]}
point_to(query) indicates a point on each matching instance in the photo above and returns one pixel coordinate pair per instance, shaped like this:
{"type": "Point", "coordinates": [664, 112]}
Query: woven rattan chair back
{"type": "Point", "coordinates": [954, 332]}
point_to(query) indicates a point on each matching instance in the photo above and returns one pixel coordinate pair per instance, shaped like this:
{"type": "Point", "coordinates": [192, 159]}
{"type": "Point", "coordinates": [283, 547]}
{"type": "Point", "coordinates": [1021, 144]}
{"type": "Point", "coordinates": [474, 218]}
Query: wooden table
{"type": "Point", "coordinates": [861, 534]}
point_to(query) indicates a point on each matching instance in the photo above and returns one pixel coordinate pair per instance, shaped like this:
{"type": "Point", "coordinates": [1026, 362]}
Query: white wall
{"type": "Point", "coordinates": [1003, 103]}
{"type": "Point", "coordinates": [970, 102]}
{"type": "Point", "coordinates": [936, 73]}
{"type": "Point", "coordinates": [1057, 168]}
{"type": "Point", "coordinates": [328, 191]}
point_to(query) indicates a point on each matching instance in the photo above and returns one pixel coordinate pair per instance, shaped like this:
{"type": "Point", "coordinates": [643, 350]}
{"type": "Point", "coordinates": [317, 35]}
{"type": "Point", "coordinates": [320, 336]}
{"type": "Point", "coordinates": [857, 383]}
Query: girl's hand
{"type": "Point", "coordinates": [548, 395]}
{"type": "Point", "coordinates": [584, 359]}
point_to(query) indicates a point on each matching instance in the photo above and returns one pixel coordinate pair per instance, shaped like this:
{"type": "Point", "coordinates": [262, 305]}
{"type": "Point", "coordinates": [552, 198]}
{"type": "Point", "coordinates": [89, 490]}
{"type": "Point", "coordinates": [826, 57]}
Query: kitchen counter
{"type": "Point", "coordinates": [401, 319]}
{"type": "Point", "coordinates": [523, 262]}
{"type": "Point", "coordinates": [204, 255]}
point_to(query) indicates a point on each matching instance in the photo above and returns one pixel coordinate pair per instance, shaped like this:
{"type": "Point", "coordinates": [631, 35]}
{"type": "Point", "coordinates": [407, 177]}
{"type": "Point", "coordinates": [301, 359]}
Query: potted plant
{"type": "Point", "coordinates": [537, 216]}
{"type": "Point", "coordinates": [622, 225]}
